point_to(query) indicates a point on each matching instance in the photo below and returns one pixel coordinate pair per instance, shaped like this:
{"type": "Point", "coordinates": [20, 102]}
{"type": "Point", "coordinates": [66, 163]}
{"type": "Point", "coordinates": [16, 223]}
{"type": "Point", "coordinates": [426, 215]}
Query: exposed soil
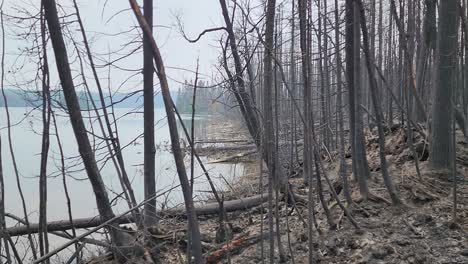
{"type": "Point", "coordinates": [420, 231]}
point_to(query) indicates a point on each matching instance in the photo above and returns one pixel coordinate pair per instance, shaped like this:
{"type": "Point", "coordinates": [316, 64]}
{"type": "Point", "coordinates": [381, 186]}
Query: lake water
{"type": "Point", "coordinates": [26, 139]}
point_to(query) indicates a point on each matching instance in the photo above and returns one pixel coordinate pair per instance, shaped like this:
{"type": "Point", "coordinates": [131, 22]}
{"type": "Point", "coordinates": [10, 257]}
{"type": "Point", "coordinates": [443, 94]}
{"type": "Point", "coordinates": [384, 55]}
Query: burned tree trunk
{"type": "Point", "coordinates": [46, 114]}
{"type": "Point", "coordinates": [442, 109]}
{"type": "Point", "coordinates": [244, 99]}
{"type": "Point", "coordinates": [339, 102]}
{"type": "Point", "coordinates": [174, 134]}
{"type": "Point", "coordinates": [378, 110]}
{"type": "Point", "coordinates": [360, 166]}
{"type": "Point", "coordinates": [148, 123]}
{"type": "Point", "coordinates": [79, 129]}
{"type": "Point", "coordinates": [245, 102]}
{"type": "Point", "coordinates": [115, 142]}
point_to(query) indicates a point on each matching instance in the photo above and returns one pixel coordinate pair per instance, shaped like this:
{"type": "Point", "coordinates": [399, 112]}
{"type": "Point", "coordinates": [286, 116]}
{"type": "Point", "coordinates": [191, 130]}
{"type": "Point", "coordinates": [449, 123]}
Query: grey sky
{"type": "Point", "coordinates": [195, 14]}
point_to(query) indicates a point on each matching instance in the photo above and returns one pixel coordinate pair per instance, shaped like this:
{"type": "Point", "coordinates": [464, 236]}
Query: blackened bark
{"type": "Point", "coordinates": [442, 110]}
{"type": "Point", "coordinates": [79, 129]}
{"type": "Point", "coordinates": [120, 169]}
{"type": "Point", "coordinates": [308, 145]}
{"type": "Point", "coordinates": [46, 113]}
{"type": "Point", "coordinates": [377, 109]}
{"type": "Point", "coordinates": [269, 138]}
{"type": "Point", "coordinates": [302, 6]}
{"type": "Point", "coordinates": [249, 110]}
{"type": "Point", "coordinates": [10, 146]}
{"type": "Point", "coordinates": [148, 126]}
{"type": "Point", "coordinates": [175, 143]}
{"type": "Point", "coordinates": [360, 166]}
{"type": "Point", "coordinates": [250, 114]}
{"type": "Point", "coordinates": [339, 102]}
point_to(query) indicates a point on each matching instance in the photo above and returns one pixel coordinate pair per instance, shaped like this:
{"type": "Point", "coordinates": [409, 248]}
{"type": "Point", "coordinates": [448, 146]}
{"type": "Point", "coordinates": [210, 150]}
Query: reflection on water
{"type": "Point", "coordinates": [26, 139]}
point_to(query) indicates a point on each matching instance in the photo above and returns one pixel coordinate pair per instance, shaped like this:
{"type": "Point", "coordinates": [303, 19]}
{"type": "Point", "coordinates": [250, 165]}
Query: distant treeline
{"type": "Point", "coordinates": [25, 98]}
{"type": "Point", "coordinates": [209, 99]}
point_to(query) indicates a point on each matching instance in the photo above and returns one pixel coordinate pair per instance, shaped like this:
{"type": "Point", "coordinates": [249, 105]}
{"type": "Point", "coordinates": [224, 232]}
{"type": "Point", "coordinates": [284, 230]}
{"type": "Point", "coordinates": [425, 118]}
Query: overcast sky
{"type": "Point", "coordinates": [105, 18]}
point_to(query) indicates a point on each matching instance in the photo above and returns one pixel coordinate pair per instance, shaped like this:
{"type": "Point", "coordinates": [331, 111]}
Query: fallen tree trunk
{"type": "Point", "coordinates": [206, 209]}
{"type": "Point", "coordinates": [214, 147]}
{"type": "Point", "coordinates": [221, 141]}
{"type": "Point", "coordinates": [233, 247]}
{"type": "Point", "coordinates": [233, 157]}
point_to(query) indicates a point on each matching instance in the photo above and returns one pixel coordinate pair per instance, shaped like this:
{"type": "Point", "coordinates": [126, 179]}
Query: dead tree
{"type": "Point", "coordinates": [11, 149]}
{"type": "Point", "coordinates": [339, 102]}
{"type": "Point", "coordinates": [2, 179]}
{"type": "Point", "coordinates": [268, 129]}
{"type": "Point", "coordinates": [114, 141]}
{"type": "Point", "coordinates": [360, 166]}
{"type": "Point", "coordinates": [305, 58]}
{"type": "Point", "coordinates": [377, 109]}
{"type": "Point", "coordinates": [442, 109]}
{"type": "Point", "coordinates": [176, 150]}
{"type": "Point", "coordinates": [244, 100]}
{"type": "Point", "coordinates": [79, 129]}
{"type": "Point", "coordinates": [148, 123]}
{"type": "Point", "coordinates": [46, 114]}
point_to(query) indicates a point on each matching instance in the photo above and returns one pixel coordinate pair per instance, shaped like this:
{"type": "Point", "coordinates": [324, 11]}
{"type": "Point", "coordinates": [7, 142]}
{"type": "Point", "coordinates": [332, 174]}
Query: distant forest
{"type": "Point", "coordinates": [25, 98]}
{"type": "Point", "coordinates": [209, 99]}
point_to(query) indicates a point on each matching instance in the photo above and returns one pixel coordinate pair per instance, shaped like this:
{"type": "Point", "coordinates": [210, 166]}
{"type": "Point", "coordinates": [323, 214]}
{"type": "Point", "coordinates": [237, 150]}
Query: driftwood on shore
{"type": "Point", "coordinates": [79, 223]}
{"type": "Point", "coordinates": [234, 157]}
{"type": "Point", "coordinates": [240, 147]}
{"type": "Point", "coordinates": [224, 148]}
{"type": "Point", "coordinates": [219, 141]}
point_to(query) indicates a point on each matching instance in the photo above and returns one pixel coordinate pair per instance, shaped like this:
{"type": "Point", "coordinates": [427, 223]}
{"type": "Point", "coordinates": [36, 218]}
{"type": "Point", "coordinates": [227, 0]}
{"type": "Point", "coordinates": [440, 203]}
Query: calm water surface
{"type": "Point", "coordinates": [26, 139]}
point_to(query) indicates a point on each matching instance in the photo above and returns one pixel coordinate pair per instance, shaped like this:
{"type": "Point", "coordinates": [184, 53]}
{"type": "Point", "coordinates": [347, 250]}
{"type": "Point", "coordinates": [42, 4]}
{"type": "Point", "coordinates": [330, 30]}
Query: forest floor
{"type": "Point", "coordinates": [420, 231]}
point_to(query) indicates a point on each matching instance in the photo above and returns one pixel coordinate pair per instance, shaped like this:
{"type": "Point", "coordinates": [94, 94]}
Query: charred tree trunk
{"type": "Point", "coordinates": [84, 147]}
{"type": "Point", "coordinates": [250, 115]}
{"type": "Point", "coordinates": [360, 166]}
{"type": "Point", "coordinates": [2, 179]}
{"type": "Point", "coordinates": [46, 113]}
{"type": "Point", "coordinates": [341, 144]}
{"type": "Point", "coordinates": [377, 109]}
{"type": "Point", "coordinates": [269, 149]}
{"type": "Point", "coordinates": [148, 123]}
{"type": "Point", "coordinates": [442, 109]}
{"type": "Point", "coordinates": [175, 142]}
{"type": "Point", "coordinates": [308, 145]}
{"type": "Point", "coordinates": [248, 110]}
{"type": "Point", "coordinates": [118, 160]}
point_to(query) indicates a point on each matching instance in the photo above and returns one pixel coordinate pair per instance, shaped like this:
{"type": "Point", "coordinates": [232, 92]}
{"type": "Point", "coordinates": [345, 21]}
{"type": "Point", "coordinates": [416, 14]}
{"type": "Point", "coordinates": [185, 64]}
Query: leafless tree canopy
{"type": "Point", "coordinates": [348, 118]}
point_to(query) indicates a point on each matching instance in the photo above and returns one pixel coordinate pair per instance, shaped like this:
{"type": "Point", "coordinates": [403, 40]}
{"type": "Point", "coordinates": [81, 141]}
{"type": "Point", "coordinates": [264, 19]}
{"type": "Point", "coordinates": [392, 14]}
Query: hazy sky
{"type": "Point", "coordinates": [107, 24]}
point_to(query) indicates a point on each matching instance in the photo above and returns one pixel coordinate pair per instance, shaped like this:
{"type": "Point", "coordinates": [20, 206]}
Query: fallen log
{"type": "Point", "coordinates": [239, 147]}
{"type": "Point", "coordinates": [80, 223]}
{"type": "Point", "coordinates": [233, 157]}
{"type": "Point", "coordinates": [64, 234]}
{"type": "Point", "coordinates": [212, 148]}
{"type": "Point", "coordinates": [233, 247]}
{"type": "Point", "coordinates": [219, 141]}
